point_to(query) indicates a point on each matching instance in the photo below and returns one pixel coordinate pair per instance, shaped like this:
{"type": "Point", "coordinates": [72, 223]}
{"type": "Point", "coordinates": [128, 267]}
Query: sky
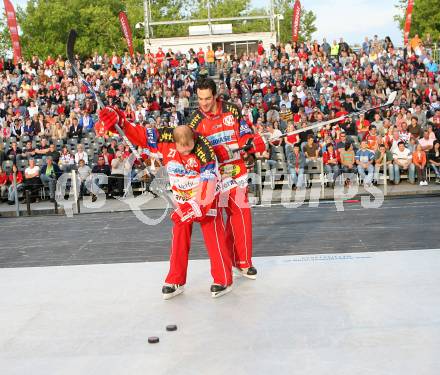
{"type": "Point", "coordinates": [351, 19]}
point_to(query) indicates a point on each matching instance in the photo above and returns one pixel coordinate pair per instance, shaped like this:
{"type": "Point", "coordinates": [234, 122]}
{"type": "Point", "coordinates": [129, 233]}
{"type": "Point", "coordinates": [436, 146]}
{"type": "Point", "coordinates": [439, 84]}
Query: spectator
{"type": "Point", "coordinates": [86, 122]}
{"type": "Point", "coordinates": [434, 160]}
{"type": "Point", "coordinates": [53, 153]}
{"type": "Point", "coordinates": [59, 132]}
{"type": "Point", "coordinates": [362, 126]}
{"type": "Point", "coordinates": [2, 154]}
{"type": "Point", "coordinates": [14, 153]}
{"type": "Point", "coordinates": [66, 161]}
{"type": "Point", "coordinates": [81, 154]}
{"type": "Point", "coordinates": [331, 160]}
{"type": "Point", "coordinates": [419, 160]}
{"type": "Point", "coordinates": [364, 161]}
{"type": "Point", "coordinates": [381, 155]}
{"type": "Point", "coordinates": [42, 149]}
{"type": "Point", "coordinates": [75, 130]}
{"type": "Point", "coordinates": [96, 181]}
{"type": "Point", "coordinates": [311, 150]}
{"type": "Point", "coordinates": [28, 152]}
{"type": "Point", "coordinates": [210, 59]}
{"type": "Point", "coordinates": [373, 140]}
{"type": "Point", "coordinates": [378, 123]}
{"type": "Point", "coordinates": [420, 115]}
{"type": "Point", "coordinates": [84, 173]}
{"type": "Point", "coordinates": [117, 174]}
{"type": "Point", "coordinates": [106, 155]}
{"type": "Point", "coordinates": [3, 184]}
{"type": "Point", "coordinates": [19, 182]}
{"type": "Point", "coordinates": [403, 161]}
{"type": "Point", "coordinates": [49, 176]}
{"type": "Point", "coordinates": [32, 182]}
{"type": "Point", "coordinates": [296, 162]}
{"type": "Point", "coordinates": [219, 56]}
{"type": "Point", "coordinates": [340, 141]}
{"type": "Point", "coordinates": [274, 136]}
{"type": "Point", "coordinates": [176, 118]}
{"type": "Point", "coordinates": [414, 128]}
{"type": "Point", "coordinates": [290, 140]}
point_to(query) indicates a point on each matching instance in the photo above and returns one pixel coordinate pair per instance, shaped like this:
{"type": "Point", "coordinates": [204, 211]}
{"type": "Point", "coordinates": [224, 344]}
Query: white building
{"type": "Point", "coordinates": [231, 43]}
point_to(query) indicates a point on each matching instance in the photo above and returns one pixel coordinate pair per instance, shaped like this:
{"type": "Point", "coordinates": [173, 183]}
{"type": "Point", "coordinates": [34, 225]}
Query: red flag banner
{"type": "Point", "coordinates": [408, 21]}
{"type": "Point", "coordinates": [296, 16]}
{"type": "Point", "coordinates": [126, 31]}
{"type": "Point", "coordinates": [13, 29]}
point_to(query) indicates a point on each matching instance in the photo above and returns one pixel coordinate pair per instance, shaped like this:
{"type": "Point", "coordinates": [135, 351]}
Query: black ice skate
{"type": "Point", "coordinates": [171, 290]}
{"type": "Point", "coordinates": [220, 290]}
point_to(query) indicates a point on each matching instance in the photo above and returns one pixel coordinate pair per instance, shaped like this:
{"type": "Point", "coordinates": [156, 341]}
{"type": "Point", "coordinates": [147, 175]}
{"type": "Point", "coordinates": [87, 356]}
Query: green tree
{"type": "Point", "coordinates": [46, 25]}
{"type": "Point", "coordinates": [307, 21]}
{"type": "Point", "coordinates": [5, 39]}
{"type": "Point", "coordinates": [231, 8]}
{"type": "Point", "coordinates": [425, 17]}
{"type": "Point", "coordinates": [161, 10]}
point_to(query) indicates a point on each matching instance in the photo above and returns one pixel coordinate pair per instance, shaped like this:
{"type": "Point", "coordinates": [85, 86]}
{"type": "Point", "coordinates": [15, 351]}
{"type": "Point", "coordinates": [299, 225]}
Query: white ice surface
{"type": "Point", "coordinates": [352, 314]}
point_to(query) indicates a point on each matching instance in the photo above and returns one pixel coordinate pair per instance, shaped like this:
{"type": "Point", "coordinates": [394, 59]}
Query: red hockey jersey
{"type": "Point", "coordinates": [189, 174]}
{"type": "Point", "coordinates": [225, 127]}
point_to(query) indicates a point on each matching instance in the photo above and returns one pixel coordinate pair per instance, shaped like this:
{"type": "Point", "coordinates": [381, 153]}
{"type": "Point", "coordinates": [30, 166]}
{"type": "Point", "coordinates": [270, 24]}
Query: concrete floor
{"type": "Point", "coordinates": [339, 314]}
{"type": "Point", "coordinates": [399, 224]}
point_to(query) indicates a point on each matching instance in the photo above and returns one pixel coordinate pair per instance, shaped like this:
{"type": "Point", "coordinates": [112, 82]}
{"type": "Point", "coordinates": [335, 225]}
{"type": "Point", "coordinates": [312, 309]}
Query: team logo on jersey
{"type": "Point", "coordinates": [228, 120]}
{"type": "Point", "coordinates": [221, 137]}
{"type": "Point", "coordinates": [191, 163]}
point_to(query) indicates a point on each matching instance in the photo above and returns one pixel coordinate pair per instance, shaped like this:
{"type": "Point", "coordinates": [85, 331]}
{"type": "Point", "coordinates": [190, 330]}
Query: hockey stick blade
{"type": "Point", "coordinates": [71, 46]}
{"type": "Point", "coordinates": [70, 56]}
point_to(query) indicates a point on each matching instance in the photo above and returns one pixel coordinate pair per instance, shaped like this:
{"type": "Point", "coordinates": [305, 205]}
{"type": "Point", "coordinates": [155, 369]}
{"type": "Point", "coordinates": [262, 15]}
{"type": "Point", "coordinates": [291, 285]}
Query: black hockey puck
{"type": "Point", "coordinates": [153, 340]}
{"type": "Point", "coordinates": [171, 327]}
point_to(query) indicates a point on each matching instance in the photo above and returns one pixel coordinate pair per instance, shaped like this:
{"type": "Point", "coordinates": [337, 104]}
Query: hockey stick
{"type": "Point", "coordinates": [390, 101]}
{"type": "Point", "coordinates": [70, 56]}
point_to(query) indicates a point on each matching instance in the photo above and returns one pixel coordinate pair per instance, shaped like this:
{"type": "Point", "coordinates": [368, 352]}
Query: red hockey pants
{"type": "Point", "coordinates": [214, 236]}
{"type": "Point", "coordinates": [238, 226]}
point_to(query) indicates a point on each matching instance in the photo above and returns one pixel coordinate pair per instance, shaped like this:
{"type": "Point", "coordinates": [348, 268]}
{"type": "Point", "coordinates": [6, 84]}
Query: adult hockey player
{"type": "Point", "coordinates": [193, 173]}
{"type": "Point", "coordinates": [221, 123]}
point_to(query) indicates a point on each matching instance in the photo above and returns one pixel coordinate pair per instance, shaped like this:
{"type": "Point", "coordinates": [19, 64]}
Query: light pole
{"type": "Point", "coordinates": [147, 23]}
{"type": "Point", "coordinates": [279, 17]}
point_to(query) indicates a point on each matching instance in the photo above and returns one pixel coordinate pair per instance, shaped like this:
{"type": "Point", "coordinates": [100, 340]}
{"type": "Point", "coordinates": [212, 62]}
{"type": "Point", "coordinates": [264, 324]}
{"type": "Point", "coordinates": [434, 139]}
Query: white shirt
{"type": "Point", "coordinates": [35, 171]}
{"type": "Point", "coordinates": [402, 155]}
{"type": "Point", "coordinates": [81, 155]}
{"type": "Point", "coordinates": [276, 134]}
{"type": "Point", "coordinates": [219, 54]}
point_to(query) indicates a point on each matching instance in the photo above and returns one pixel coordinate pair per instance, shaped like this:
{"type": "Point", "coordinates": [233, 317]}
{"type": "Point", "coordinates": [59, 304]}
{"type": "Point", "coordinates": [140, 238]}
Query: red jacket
{"type": "Point", "coordinates": [326, 156]}
{"type": "Point", "coordinates": [3, 178]}
{"type": "Point", "coordinates": [19, 177]}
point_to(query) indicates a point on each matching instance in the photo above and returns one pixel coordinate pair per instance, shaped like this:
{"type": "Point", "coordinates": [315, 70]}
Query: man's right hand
{"type": "Point", "coordinates": [110, 117]}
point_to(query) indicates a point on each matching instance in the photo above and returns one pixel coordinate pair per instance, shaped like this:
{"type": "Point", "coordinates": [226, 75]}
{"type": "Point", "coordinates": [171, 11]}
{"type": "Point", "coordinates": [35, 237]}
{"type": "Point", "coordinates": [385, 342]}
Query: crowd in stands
{"type": "Point", "coordinates": [48, 120]}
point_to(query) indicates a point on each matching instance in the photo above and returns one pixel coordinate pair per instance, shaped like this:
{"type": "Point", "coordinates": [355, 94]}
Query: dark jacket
{"type": "Point", "coordinates": [56, 170]}
{"type": "Point", "coordinates": [75, 132]}
{"type": "Point", "coordinates": [105, 169]}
